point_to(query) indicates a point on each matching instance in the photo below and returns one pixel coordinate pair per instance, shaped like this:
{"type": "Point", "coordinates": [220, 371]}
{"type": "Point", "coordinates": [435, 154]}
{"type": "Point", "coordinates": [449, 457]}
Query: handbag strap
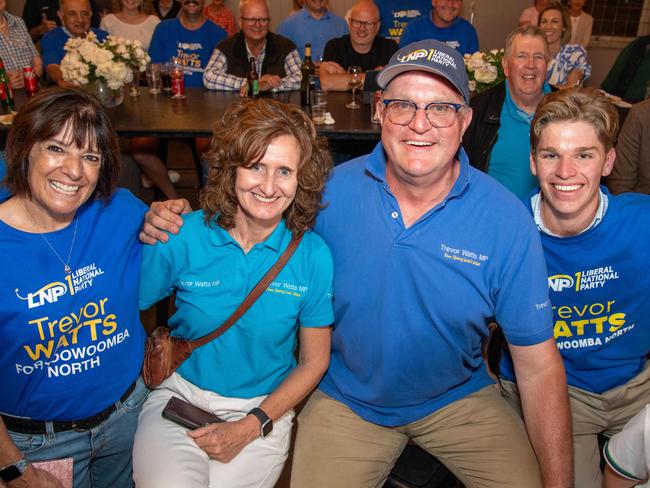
{"type": "Point", "coordinates": [255, 293]}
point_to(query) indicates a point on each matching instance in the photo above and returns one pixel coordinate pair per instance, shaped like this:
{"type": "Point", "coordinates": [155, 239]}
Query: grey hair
{"type": "Point", "coordinates": [527, 30]}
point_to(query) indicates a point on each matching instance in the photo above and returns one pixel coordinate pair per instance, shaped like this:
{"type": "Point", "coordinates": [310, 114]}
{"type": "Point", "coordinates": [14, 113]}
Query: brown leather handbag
{"type": "Point", "coordinates": [165, 353]}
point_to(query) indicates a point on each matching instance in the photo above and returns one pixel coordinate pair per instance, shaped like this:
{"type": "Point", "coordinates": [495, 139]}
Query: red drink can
{"type": "Point", "coordinates": [178, 86]}
{"type": "Point", "coordinates": [31, 81]}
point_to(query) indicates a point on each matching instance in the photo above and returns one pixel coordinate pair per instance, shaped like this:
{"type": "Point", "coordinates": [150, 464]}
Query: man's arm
{"type": "Point", "coordinates": [292, 68]}
{"type": "Point", "coordinates": [55, 75]}
{"type": "Point", "coordinates": [163, 217]}
{"type": "Point", "coordinates": [215, 76]}
{"type": "Point", "coordinates": [333, 76]}
{"type": "Point", "coordinates": [32, 477]}
{"type": "Point", "coordinates": [544, 396]}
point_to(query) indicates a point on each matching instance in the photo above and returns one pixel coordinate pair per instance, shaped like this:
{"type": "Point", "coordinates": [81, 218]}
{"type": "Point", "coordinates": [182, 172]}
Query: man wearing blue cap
{"type": "Point", "coordinates": [427, 252]}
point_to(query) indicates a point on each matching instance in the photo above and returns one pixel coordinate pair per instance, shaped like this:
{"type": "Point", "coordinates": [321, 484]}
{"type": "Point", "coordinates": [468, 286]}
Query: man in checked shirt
{"type": "Point", "coordinates": [276, 58]}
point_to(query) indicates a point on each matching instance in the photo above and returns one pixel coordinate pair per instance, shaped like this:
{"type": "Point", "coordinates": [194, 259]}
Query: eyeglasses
{"type": "Point", "coordinates": [358, 24]}
{"type": "Point", "coordinates": [252, 21]}
{"type": "Point", "coordinates": [439, 114]}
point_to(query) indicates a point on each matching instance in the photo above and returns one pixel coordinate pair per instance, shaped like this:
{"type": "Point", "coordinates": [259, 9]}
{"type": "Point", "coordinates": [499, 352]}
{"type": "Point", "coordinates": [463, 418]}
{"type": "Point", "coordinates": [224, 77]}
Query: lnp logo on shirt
{"type": "Point", "coordinates": [583, 280]}
{"type": "Point", "coordinates": [80, 279]}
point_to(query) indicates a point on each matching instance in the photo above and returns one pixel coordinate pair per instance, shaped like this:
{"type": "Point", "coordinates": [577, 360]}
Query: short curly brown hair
{"type": "Point", "coordinates": [240, 139]}
{"type": "Point", "coordinates": [43, 116]}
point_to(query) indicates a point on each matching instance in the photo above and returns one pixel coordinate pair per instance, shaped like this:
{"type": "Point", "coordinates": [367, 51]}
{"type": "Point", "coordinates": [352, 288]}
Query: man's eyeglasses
{"type": "Point", "coordinates": [358, 24]}
{"type": "Point", "coordinates": [439, 114]}
{"type": "Point", "coordinates": [252, 21]}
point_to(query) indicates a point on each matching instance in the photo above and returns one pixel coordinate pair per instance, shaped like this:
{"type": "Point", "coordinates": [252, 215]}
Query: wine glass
{"type": "Point", "coordinates": [355, 80]}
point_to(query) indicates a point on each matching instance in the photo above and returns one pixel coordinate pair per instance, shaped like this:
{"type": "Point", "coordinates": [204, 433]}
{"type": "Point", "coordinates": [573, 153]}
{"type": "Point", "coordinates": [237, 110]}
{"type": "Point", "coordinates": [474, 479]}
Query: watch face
{"type": "Point", "coordinates": [267, 427]}
{"type": "Point", "coordinates": [10, 473]}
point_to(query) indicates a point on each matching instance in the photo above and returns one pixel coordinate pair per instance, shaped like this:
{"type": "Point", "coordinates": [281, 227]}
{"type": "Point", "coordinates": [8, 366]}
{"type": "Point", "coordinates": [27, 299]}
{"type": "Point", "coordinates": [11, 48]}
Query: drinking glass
{"type": "Point", "coordinates": [177, 73]}
{"type": "Point", "coordinates": [134, 85]}
{"type": "Point", "coordinates": [318, 106]}
{"type": "Point", "coordinates": [355, 80]}
{"type": "Point", "coordinates": [153, 78]}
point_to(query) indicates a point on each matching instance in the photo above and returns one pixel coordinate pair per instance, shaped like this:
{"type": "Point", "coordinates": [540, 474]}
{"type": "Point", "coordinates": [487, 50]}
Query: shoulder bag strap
{"type": "Point", "coordinates": [255, 293]}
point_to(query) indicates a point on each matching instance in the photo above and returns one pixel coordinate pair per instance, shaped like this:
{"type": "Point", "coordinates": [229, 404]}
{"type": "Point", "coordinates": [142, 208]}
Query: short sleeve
{"type": "Point", "coordinates": [627, 452]}
{"type": "Point", "coordinates": [316, 310]}
{"type": "Point", "coordinates": [157, 272]}
{"type": "Point", "coordinates": [523, 308]}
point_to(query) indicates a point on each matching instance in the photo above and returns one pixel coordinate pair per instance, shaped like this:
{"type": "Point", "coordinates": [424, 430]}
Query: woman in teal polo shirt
{"type": "Point", "coordinates": [268, 169]}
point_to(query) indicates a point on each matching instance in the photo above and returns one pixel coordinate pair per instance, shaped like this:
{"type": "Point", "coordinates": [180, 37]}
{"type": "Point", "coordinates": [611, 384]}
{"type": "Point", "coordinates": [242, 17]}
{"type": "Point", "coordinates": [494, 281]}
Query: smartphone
{"type": "Point", "coordinates": [187, 415]}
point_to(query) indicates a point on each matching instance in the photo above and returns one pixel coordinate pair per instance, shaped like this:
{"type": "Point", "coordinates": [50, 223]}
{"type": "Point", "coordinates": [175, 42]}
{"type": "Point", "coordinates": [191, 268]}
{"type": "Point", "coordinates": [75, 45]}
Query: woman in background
{"type": "Point", "coordinates": [567, 66]}
{"type": "Point", "coordinates": [132, 19]}
{"type": "Point", "coordinates": [581, 23]}
{"type": "Point", "coordinates": [221, 15]}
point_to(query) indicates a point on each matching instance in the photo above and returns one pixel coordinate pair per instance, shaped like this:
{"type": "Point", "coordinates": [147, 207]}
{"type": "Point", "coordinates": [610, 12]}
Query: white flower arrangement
{"type": "Point", "coordinates": [484, 70]}
{"type": "Point", "coordinates": [112, 60]}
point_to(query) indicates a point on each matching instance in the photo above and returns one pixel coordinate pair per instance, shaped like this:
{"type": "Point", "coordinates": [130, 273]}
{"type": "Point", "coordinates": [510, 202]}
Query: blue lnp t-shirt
{"type": "Point", "coordinates": [53, 44]}
{"type": "Point", "coordinates": [193, 47]}
{"type": "Point", "coordinates": [212, 275]}
{"type": "Point", "coordinates": [460, 35]}
{"type": "Point", "coordinates": [395, 15]}
{"type": "Point", "coordinates": [302, 28]}
{"type": "Point", "coordinates": [599, 286]}
{"type": "Point", "coordinates": [71, 344]}
{"type": "Point", "coordinates": [412, 305]}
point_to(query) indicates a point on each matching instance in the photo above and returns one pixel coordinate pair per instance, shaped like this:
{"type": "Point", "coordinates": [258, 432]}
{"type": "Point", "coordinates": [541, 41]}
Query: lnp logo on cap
{"type": "Point", "coordinates": [432, 55]}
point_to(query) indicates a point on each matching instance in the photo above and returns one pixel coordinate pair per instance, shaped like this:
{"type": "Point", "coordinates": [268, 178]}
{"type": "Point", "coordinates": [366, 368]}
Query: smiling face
{"type": "Point", "coordinates": [363, 36]}
{"type": "Point", "coordinates": [569, 163]}
{"type": "Point", "coordinates": [192, 7]}
{"type": "Point", "coordinates": [445, 11]}
{"type": "Point", "coordinates": [75, 16]}
{"type": "Point", "coordinates": [131, 5]}
{"type": "Point", "coordinates": [552, 26]}
{"type": "Point", "coordinates": [267, 188]}
{"type": "Point", "coordinates": [525, 66]}
{"type": "Point", "coordinates": [254, 9]}
{"type": "Point", "coordinates": [316, 7]}
{"type": "Point", "coordinates": [61, 177]}
{"type": "Point", "coordinates": [419, 152]}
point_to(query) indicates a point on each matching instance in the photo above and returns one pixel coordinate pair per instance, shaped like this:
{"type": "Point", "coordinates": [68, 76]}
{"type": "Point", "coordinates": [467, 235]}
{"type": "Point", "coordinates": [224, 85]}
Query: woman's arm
{"type": "Point", "coordinates": [32, 477]}
{"type": "Point", "coordinates": [224, 441]}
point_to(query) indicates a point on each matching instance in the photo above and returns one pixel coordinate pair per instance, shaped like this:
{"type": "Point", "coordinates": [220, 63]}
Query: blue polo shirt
{"type": "Point", "coordinates": [461, 35]}
{"type": "Point", "coordinates": [212, 275]}
{"type": "Point", "coordinates": [412, 305]}
{"type": "Point", "coordinates": [510, 156]}
{"type": "Point", "coordinates": [302, 28]}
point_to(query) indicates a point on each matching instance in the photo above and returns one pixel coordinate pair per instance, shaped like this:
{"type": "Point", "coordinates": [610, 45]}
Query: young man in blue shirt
{"type": "Point", "coordinates": [595, 245]}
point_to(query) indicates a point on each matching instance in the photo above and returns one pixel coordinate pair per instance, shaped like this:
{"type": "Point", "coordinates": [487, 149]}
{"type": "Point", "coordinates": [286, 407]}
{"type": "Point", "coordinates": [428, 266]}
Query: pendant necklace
{"type": "Point", "coordinates": [66, 265]}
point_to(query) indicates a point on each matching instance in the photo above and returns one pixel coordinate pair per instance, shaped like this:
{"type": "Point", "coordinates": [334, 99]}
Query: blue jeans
{"type": "Point", "coordinates": [102, 455]}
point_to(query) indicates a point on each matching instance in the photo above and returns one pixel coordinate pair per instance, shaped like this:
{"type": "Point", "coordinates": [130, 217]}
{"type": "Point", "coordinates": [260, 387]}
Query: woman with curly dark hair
{"type": "Point", "coordinates": [268, 169]}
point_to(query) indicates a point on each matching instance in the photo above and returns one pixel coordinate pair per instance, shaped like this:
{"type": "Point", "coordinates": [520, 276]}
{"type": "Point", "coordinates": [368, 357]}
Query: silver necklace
{"type": "Point", "coordinates": [66, 266]}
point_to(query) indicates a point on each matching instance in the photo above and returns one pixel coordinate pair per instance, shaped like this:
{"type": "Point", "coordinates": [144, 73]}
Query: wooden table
{"type": "Point", "coordinates": [159, 115]}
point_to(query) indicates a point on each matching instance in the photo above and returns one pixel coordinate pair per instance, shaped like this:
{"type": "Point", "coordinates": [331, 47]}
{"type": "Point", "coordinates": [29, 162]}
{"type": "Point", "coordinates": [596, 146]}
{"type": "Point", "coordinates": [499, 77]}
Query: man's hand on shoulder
{"type": "Point", "coordinates": [163, 217]}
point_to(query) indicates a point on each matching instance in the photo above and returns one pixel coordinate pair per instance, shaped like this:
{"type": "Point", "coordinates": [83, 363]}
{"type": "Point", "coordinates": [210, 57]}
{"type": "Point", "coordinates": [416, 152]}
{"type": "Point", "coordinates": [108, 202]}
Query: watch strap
{"type": "Point", "coordinates": [266, 424]}
{"type": "Point", "coordinates": [13, 471]}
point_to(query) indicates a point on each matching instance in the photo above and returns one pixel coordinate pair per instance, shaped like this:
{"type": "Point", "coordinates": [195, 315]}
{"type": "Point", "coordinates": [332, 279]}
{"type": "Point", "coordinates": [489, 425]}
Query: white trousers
{"type": "Point", "coordinates": [164, 456]}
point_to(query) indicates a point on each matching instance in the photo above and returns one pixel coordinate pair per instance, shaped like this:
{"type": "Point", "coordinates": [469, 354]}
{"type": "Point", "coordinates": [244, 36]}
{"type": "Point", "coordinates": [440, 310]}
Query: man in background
{"type": "Point", "coordinates": [362, 47]}
{"type": "Point", "coordinates": [444, 24]}
{"type": "Point", "coordinates": [277, 61]}
{"type": "Point", "coordinates": [497, 141]}
{"type": "Point", "coordinates": [314, 24]}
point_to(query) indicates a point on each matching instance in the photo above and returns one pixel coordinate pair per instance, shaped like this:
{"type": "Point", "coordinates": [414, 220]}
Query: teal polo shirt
{"type": "Point", "coordinates": [510, 157]}
{"type": "Point", "coordinates": [211, 276]}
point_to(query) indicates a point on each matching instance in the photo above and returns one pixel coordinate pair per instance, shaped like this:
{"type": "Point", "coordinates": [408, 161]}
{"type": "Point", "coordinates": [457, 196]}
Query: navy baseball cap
{"type": "Point", "coordinates": [431, 56]}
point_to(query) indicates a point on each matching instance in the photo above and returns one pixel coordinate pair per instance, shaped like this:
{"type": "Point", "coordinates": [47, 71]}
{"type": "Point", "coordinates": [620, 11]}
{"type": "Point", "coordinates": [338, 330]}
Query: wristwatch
{"type": "Point", "coordinates": [15, 470]}
{"type": "Point", "coordinates": [265, 421]}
